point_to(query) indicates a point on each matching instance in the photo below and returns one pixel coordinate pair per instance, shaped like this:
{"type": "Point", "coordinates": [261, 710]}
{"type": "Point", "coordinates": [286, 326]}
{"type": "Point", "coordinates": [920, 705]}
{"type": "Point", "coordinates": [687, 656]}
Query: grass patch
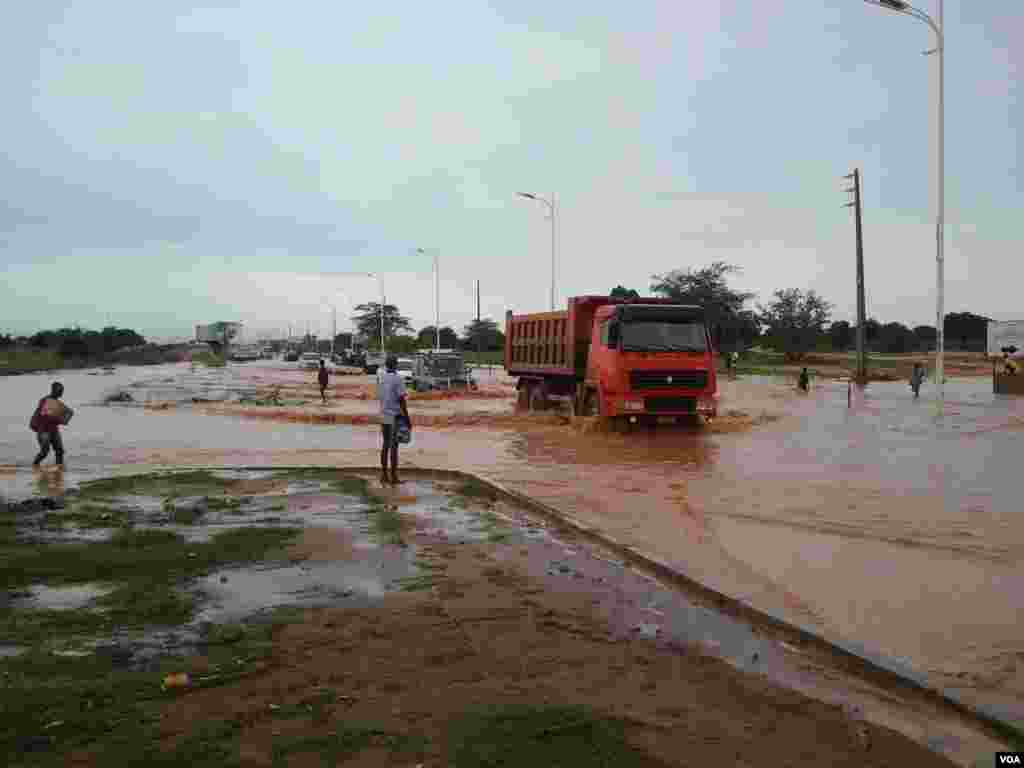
{"type": "Point", "coordinates": [418, 583]}
{"type": "Point", "coordinates": [146, 564]}
{"type": "Point", "coordinates": [472, 490]}
{"type": "Point", "coordinates": [344, 742]}
{"type": "Point", "coordinates": [387, 524]}
{"type": "Point", "coordinates": [187, 515]}
{"type": "Point", "coordinates": [86, 515]}
{"type": "Point", "coordinates": [52, 706]}
{"type": "Point", "coordinates": [555, 737]}
{"type": "Point", "coordinates": [209, 359]}
{"type": "Point", "coordinates": [226, 503]}
{"type": "Point", "coordinates": [164, 484]}
{"type": "Point", "coordinates": [337, 481]}
{"type": "Point", "coordinates": [29, 359]}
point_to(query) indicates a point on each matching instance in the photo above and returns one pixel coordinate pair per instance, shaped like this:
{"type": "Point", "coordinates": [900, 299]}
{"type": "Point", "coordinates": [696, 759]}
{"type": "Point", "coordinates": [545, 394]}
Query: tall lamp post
{"type": "Point", "coordinates": [898, 6]}
{"type": "Point", "coordinates": [551, 208]}
{"type": "Point", "coordinates": [437, 299]}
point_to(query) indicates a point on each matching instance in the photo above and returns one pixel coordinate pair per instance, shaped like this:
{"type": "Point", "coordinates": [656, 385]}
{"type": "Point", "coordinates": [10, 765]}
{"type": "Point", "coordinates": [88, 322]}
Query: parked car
{"type": "Point", "coordinates": [291, 356]}
{"type": "Point", "coordinates": [441, 370]}
{"type": "Point", "coordinates": [310, 360]}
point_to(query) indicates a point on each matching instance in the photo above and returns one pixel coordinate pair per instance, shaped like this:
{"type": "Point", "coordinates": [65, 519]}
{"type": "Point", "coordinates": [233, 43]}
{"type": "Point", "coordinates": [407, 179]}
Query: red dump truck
{"type": "Point", "coordinates": [630, 360]}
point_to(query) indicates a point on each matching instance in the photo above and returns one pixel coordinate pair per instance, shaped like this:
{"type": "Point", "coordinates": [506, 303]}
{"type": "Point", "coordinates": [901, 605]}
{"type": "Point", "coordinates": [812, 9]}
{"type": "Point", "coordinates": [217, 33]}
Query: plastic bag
{"type": "Point", "coordinates": [403, 432]}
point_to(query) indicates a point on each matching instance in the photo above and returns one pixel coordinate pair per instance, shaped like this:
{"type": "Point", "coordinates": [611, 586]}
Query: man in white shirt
{"type": "Point", "coordinates": [391, 394]}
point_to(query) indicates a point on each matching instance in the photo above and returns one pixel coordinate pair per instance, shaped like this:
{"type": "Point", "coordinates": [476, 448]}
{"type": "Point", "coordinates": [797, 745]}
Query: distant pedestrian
{"type": "Point", "coordinates": [804, 382]}
{"type": "Point", "coordinates": [916, 377]}
{"type": "Point", "coordinates": [391, 394]}
{"type": "Point", "coordinates": [47, 419]}
{"type": "Point", "coordinates": [322, 377]}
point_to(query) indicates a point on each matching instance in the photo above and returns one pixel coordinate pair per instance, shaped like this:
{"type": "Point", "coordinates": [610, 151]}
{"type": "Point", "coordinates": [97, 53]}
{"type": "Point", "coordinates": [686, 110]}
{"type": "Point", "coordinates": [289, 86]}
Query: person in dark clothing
{"type": "Point", "coordinates": [321, 377]}
{"type": "Point", "coordinates": [804, 381]}
{"type": "Point", "coordinates": [50, 414]}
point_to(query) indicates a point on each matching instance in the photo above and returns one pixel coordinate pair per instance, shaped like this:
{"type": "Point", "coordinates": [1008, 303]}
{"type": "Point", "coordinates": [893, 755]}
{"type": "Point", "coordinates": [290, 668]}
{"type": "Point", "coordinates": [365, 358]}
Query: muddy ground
{"type": "Point", "coordinates": [433, 625]}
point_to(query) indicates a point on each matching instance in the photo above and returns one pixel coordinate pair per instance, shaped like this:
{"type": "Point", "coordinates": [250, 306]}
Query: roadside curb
{"type": "Point", "coordinates": [854, 658]}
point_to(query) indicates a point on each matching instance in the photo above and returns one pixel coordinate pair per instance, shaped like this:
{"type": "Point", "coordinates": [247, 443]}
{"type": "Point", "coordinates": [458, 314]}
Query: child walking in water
{"type": "Point", "coordinates": [916, 377]}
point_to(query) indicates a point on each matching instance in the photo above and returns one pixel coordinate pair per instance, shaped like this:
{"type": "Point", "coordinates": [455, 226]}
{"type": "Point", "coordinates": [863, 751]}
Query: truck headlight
{"type": "Point", "coordinates": [633, 405]}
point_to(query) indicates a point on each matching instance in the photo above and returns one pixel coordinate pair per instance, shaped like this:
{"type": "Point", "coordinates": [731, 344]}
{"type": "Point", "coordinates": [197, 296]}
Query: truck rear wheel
{"type": "Point", "coordinates": [539, 397]}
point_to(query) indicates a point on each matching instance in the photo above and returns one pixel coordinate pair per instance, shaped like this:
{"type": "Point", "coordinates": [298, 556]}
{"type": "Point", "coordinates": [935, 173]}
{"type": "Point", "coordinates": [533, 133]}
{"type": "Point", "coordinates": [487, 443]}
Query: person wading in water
{"type": "Point", "coordinates": [322, 378]}
{"type": "Point", "coordinates": [47, 419]}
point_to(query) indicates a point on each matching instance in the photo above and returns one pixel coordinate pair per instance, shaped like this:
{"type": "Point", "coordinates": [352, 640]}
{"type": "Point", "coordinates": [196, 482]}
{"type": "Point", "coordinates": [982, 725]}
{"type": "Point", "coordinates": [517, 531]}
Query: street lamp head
{"type": "Point", "coordinates": [892, 5]}
{"type": "Point", "coordinates": [527, 194]}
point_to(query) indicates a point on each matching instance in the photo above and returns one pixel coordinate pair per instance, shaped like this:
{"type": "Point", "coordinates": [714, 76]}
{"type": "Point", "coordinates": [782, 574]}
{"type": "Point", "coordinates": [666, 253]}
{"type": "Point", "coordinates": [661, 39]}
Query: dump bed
{"type": "Point", "coordinates": [557, 343]}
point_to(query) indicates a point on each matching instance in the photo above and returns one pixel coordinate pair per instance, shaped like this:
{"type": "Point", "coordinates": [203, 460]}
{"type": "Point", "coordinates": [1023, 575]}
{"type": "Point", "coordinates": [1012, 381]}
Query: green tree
{"type": "Point", "coordinates": [896, 338]}
{"type": "Point", "coordinates": [841, 334]}
{"type": "Point", "coordinates": [620, 292]}
{"type": "Point", "coordinates": [797, 319]}
{"type": "Point", "coordinates": [427, 337]}
{"type": "Point", "coordinates": [708, 287]}
{"type": "Point", "coordinates": [965, 327]}
{"type": "Point", "coordinates": [483, 334]}
{"type": "Point", "coordinates": [367, 322]}
{"type": "Point", "coordinates": [403, 344]}
{"type": "Point", "coordinates": [926, 335]}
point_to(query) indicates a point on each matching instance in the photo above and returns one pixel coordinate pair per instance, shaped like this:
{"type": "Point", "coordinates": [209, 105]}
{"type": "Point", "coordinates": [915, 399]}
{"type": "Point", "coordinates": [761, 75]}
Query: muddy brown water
{"type": "Point", "coordinates": [882, 523]}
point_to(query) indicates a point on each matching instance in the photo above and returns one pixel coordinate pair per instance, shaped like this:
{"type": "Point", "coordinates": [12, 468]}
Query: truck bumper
{"type": "Point", "coordinates": [686, 404]}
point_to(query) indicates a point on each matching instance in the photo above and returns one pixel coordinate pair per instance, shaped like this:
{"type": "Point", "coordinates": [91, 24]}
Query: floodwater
{"type": "Point", "coordinates": [880, 522]}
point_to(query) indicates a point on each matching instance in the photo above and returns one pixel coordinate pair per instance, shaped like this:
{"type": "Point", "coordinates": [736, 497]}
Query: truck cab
{"type": "Point", "coordinates": [625, 359]}
{"type": "Point", "coordinates": [653, 360]}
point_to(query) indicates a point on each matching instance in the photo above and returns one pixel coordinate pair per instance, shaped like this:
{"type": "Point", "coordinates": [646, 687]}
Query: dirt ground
{"type": "Point", "coordinates": [487, 636]}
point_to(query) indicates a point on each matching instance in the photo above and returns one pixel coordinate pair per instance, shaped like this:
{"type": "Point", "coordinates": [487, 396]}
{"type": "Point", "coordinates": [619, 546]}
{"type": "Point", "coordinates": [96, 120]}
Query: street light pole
{"type": "Point", "coordinates": [551, 208]}
{"type": "Point", "coordinates": [898, 6]}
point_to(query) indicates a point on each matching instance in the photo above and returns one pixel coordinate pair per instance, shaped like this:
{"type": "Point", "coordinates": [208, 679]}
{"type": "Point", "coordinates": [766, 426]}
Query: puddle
{"type": "Point", "coordinates": [40, 596]}
{"type": "Point", "coordinates": [10, 651]}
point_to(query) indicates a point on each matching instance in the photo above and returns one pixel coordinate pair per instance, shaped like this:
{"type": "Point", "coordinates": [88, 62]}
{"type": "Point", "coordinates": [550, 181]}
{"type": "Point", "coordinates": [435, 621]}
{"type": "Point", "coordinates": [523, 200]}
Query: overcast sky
{"type": "Point", "coordinates": [164, 164]}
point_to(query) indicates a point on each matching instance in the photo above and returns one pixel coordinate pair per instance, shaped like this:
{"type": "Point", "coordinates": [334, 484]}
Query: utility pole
{"type": "Point", "coordinates": [437, 303]}
{"type": "Point", "coordinates": [856, 205]}
{"type": "Point", "coordinates": [334, 327]}
{"type": "Point", "coordinates": [479, 336]}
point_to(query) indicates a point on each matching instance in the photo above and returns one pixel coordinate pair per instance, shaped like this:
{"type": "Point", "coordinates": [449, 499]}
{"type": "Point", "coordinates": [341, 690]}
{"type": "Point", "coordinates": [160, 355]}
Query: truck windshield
{"type": "Point", "coordinates": [651, 336]}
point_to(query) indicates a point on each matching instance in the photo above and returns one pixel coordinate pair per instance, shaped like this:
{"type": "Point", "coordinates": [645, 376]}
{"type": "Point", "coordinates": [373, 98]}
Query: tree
{"type": "Point", "coordinates": [706, 287]}
{"type": "Point", "coordinates": [620, 292]}
{"type": "Point", "coordinates": [926, 335]}
{"type": "Point", "coordinates": [428, 337]}
{"type": "Point", "coordinates": [872, 331]}
{"type": "Point", "coordinates": [343, 341]}
{"type": "Point", "coordinates": [896, 338]}
{"type": "Point", "coordinates": [367, 322]}
{"type": "Point", "coordinates": [6, 340]}
{"type": "Point", "coordinates": [797, 319]}
{"type": "Point", "coordinates": [483, 334]}
{"type": "Point", "coordinates": [965, 326]}
{"type": "Point", "coordinates": [403, 344]}
{"type": "Point", "coordinates": [841, 333]}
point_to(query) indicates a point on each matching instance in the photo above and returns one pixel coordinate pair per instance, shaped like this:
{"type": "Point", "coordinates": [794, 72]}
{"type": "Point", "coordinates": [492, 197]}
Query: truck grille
{"type": "Point", "coordinates": [667, 404]}
{"type": "Point", "coordinates": [654, 379]}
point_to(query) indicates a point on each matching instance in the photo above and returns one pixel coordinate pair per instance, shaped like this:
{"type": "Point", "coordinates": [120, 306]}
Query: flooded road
{"type": "Point", "coordinates": [880, 523]}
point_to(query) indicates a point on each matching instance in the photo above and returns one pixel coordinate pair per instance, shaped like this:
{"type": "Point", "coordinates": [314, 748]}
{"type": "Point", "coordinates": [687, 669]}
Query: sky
{"type": "Point", "coordinates": [165, 164]}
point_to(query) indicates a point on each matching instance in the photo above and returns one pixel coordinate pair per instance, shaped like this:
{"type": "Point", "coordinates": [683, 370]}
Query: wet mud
{"type": "Point", "coordinates": [527, 600]}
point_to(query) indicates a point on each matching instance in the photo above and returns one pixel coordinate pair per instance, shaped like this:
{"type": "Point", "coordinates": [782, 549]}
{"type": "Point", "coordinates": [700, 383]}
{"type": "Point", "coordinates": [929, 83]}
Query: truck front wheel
{"type": "Point", "coordinates": [523, 396]}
